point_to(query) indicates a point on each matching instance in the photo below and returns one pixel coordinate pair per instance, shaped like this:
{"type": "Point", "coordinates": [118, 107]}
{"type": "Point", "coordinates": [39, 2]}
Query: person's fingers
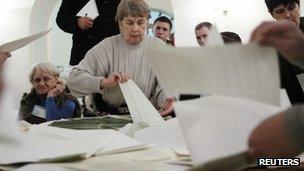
{"type": "Point", "coordinates": [167, 110]}
{"type": "Point", "coordinates": [85, 23]}
{"type": "Point", "coordinates": [127, 77]}
{"type": "Point", "coordinates": [88, 19]}
{"type": "Point", "coordinates": [119, 77]}
{"type": "Point", "coordinates": [115, 78]}
{"type": "Point", "coordinates": [257, 31]}
{"type": "Point", "coordinates": [61, 88]}
{"type": "Point", "coordinates": [8, 54]}
{"type": "Point", "coordinates": [88, 23]}
{"type": "Point", "coordinates": [124, 77]}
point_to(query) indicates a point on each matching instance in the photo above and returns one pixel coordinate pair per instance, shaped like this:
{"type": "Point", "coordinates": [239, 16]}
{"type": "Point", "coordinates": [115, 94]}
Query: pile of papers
{"type": "Point", "coordinates": [44, 143]}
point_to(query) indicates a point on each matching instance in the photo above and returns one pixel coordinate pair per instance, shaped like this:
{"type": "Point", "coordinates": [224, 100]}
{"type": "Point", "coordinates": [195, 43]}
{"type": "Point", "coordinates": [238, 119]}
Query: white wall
{"type": "Point", "coordinates": [189, 13]}
{"type": "Point", "coordinates": [161, 5]}
{"type": "Point", "coordinates": [59, 42]}
{"type": "Point", "coordinates": [14, 19]}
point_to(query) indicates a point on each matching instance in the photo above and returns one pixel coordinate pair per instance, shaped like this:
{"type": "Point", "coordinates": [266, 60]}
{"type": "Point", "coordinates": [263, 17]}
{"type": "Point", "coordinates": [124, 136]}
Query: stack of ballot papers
{"type": "Point", "coordinates": [166, 135]}
{"type": "Point", "coordinates": [143, 113]}
{"type": "Point", "coordinates": [140, 107]}
{"type": "Point", "coordinates": [43, 143]}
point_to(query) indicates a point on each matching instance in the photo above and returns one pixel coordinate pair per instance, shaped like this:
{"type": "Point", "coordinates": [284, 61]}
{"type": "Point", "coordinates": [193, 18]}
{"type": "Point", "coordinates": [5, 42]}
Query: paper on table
{"type": "Point", "coordinates": [17, 44]}
{"type": "Point", "coordinates": [214, 37]}
{"type": "Point", "coordinates": [140, 107]}
{"type": "Point", "coordinates": [89, 10]}
{"type": "Point", "coordinates": [43, 142]}
{"type": "Point", "coordinates": [217, 126]}
{"type": "Point", "coordinates": [167, 135]}
{"type": "Point", "coordinates": [244, 71]}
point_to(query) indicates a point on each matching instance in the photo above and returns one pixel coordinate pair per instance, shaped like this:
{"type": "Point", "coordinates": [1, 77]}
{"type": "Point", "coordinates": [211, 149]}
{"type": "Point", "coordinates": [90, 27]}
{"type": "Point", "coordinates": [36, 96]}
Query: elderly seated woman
{"type": "Point", "coordinates": [118, 58]}
{"type": "Point", "coordinates": [48, 99]}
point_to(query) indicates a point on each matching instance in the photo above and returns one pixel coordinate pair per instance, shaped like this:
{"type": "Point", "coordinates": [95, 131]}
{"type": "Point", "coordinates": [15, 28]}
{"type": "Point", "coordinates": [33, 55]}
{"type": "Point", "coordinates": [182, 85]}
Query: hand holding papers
{"type": "Point", "coordinates": [244, 71]}
{"type": "Point", "coordinates": [17, 44]}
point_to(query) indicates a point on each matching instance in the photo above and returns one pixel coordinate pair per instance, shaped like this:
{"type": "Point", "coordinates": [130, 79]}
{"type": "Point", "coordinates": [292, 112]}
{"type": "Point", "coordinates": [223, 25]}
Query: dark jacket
{"type": "Point", "coordinates": [29, 100]}
{"type": "Point", "coordinates": [104, 25]}
{"type": "Point", "coordinates": [289, 80]}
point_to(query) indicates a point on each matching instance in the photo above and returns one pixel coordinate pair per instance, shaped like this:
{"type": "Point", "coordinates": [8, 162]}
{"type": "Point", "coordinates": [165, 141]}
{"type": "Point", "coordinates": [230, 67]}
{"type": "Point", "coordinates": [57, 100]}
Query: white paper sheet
{"type": "Point", "coordinates": [89, 10]}
{"type": "Point", "coordinates": [17, 44]}
{"type": "Point", "coordinates": [245, 71]}
{"type": "Point", "coordinates": [140, 107]}
{"type": "Point", "coordinates": [217, 126]}
{"type": "Point", "coordinates": [43, 142]}
{"type": "Point", "coordinates": [214, 37]}
{"type": "Point", "coordinates": [284, 99]}
{"type": "Point", "coordinates": [166, 135]}
{"type": "Point", "coordinates": [301, 80]}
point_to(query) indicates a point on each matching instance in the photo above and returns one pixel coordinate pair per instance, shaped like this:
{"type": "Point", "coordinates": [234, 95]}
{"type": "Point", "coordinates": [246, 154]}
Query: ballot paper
{"type": "Point", "coordinates": [214, 37]}
{"type": "Point", "coordinates": [165, 135]}
{"type": "Point", "coordinates": [43, 143]}
{"type": "Point", "coordinates": [17, 44]}
{"type": "Point", "coordinates": [218, 126]}
{"type": "Point", "coordinates": [244, 71]}
{"type": "Point", "coordinates": [141, 109]}
{"type": "Point", "coordinates": [89, 10]}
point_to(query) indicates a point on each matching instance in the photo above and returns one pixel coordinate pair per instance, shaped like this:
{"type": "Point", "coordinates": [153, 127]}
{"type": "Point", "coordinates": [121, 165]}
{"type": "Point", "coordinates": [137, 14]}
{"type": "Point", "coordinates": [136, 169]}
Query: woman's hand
{"type": "Point", "coordinates": [56, 91]}
{"type": "Point", "coordinates": [168, 107]}
{"type": "Point", "coordinates": [114, 79]}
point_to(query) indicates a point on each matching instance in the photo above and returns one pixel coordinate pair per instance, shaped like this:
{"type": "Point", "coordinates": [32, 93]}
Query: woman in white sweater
{"type": "Point", "coordinates": [119, 58]}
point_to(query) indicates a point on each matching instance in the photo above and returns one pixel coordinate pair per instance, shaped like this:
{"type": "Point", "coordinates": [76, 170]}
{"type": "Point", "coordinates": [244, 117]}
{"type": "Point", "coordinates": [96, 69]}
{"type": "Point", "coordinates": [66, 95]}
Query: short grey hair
{"type": "Point", "coordinates": [134, 8]}
{"type": "Point", "coordinates": [46, 67]}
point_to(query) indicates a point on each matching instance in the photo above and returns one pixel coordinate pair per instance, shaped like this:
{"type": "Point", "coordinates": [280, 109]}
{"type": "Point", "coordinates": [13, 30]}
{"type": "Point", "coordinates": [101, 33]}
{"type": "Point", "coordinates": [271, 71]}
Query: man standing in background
{"type": "Point", "coordinates": [162, 28]}
{"type": "Point", "coordinates": [202, 31]}
{"type": "Point", "coordinates": [86, 31]}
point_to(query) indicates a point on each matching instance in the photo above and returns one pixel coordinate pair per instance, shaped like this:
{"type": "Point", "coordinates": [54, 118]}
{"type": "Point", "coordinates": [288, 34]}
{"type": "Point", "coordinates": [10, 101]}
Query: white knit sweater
{"type": "Point", "coordinates": [113, 54]}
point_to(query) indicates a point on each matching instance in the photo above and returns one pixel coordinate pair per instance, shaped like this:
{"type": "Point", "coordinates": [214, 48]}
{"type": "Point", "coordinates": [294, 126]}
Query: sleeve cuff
{"type": "Point", "coordinates": [162, 99]}
{"type": "Point", "coordinates": [95, 84]}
